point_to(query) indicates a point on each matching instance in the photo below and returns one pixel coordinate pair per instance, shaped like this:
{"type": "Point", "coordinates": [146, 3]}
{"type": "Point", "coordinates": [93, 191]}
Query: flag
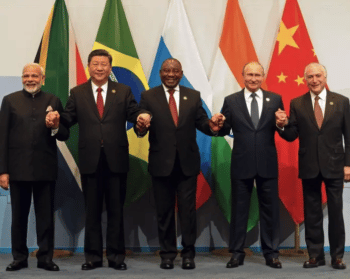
{"type": "Point", "coordinates": [235, 50]}
{"type": "Point", "coordinates": [58, 54]}
{"type": "Point", "coordinates": [293, 51]}
{"type": "Point", "coordinates": [114, 36]}
{"type": "Point", "coordinates": [177, 41]}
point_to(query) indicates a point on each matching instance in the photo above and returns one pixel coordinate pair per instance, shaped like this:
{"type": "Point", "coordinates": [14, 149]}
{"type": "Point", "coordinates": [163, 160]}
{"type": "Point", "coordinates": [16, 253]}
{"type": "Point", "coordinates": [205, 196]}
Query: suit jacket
{"type": "Point", "coordinates": [254, 151]}
{"type": "Point", "coordinates": [166, 139]}
{"type": "Point", "coordinates": [110, 131]}
{"type": "Point", "coordinates": [28, 152]}
{"type": "Point", "coordinates": [320, 150]}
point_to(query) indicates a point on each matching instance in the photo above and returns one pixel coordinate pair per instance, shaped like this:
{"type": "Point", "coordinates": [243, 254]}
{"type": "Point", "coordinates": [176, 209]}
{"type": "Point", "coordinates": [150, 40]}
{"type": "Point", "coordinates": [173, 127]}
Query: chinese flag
{"type": "Point", "coordinates": [293, 51]}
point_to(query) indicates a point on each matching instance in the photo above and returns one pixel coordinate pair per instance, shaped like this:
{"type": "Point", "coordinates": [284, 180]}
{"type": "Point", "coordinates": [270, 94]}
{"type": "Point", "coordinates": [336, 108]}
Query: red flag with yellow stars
{"type": "Point", "coordinates": [293, 51]}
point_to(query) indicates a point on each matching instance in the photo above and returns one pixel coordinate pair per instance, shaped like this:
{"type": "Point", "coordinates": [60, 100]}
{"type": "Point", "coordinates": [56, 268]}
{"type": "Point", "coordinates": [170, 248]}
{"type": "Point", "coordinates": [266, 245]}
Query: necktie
{"type": "Point", "coordinates": [99, 103]}
{"type": "Point", "coordinates": [254, 112]}
{"type": "Point", "coordinates": [172, 106]}
{"type": "Point", "coordinates": [318, 112]}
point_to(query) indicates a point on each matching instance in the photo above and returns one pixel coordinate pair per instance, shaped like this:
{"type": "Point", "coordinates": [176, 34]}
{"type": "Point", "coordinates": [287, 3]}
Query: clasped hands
{"type": "Point", "coordinates": [281, 118]}
{"type": "Point", "coordinates": [143, 122]}
{"type": "Point", "coordinates": [4, 181]}
{"type": "Point", "coordinates": [216, 122]}
{"type": "Point", "coordinates": [52, 119]}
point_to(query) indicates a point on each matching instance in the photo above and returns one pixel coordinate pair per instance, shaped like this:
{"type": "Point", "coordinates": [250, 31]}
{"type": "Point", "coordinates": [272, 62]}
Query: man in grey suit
{"type": "Point", "coordinates": [101, 108]}
{"type": "Point", "coordinates": [28, 164]}
{"type": "Point", "coordinates": [250, 114]}
{"type": "Point", "coordinates": [321, 120]}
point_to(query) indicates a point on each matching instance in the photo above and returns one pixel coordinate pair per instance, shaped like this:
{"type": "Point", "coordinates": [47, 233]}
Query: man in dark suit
{"type": "Point", "coordinates": [250, 114]}
{"type": "Point", "coordinates": [28, 162]}
{"type": "Point", "coordinates": [101, 107]}
{"type": "Point", "coordinates": [174, 160]}
{"type": "Point", "coordinates": [321, 120]}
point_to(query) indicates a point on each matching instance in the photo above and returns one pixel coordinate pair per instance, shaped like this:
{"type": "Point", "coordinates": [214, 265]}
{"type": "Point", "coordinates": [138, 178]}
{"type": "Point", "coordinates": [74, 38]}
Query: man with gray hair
{"type": "Point", "coordinates": [321, 120]}
{"type": "Point", "coordinates": [28, 164]}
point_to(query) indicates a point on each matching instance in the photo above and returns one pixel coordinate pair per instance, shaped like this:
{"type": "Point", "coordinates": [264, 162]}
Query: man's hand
{"type": "Point", "coordinates": [281, 118]}
{"type": "Point", "coordinates": [143, 122]}
{"type": "Point", "coordinates": [52, 120]}
{"type": "Point", "coordinates": [4, 181]}
{"type": "Point", "coordinates": [216, 122]}
{"type": "Point", "coordinates": [346, 174]}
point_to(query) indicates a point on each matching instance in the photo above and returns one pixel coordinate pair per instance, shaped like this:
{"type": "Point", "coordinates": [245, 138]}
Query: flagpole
{"type": "Point", "coordinates": [296, 251]}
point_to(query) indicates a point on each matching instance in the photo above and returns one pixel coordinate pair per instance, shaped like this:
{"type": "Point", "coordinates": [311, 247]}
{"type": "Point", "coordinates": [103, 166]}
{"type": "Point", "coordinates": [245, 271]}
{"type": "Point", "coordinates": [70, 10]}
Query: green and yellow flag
{"type": "Point", "coordinates": [115, 37]}
{"type": "Point", "coordinates": [59, 56]}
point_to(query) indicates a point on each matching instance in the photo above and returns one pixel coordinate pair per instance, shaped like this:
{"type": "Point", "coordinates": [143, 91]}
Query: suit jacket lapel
{"type": "Point", "coordinates": [309, 108]}
{"type": "Point", "coordinates": [184, 100]}
{"type": "Point", "coordinates": [110, 98]}
{"type": "Point", "coordinates": [329, 109]}
{"type": "Point", "coordinates": [265, 107]}
{"type": "Point", "coordinates": [243, 105]}
{"type": "Point", "coordinates": [89, 95]}
{"type": "Point", "coordinates": [163, 104]}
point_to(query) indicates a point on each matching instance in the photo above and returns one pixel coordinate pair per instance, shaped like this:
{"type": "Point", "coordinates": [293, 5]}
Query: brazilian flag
{"type": "Point", "coordinates": [115, 37]}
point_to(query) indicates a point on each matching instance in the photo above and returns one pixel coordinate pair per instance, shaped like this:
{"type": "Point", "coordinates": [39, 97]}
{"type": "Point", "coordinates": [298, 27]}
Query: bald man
{"type": "Point", "coordinates": [28, 164]}
{"type": "Point", "coordinates": [321, 120]}
{"type": "Point", "coordinates": [250, 114]}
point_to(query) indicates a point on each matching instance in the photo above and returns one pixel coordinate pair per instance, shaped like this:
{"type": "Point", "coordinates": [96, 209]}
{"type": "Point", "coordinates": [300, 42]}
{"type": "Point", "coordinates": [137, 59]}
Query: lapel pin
{"type": "Point", "coordinates": [267, 99]}
{"type": "Point", "coordinates": [331, 103]}
{"type": "Point", "coordinates": [113, 91]}
{"type": "Point", "coordinates": [185, 97]}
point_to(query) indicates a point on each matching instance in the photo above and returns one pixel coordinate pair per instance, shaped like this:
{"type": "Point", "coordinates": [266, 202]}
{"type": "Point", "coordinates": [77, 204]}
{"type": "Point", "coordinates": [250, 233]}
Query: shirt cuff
{"type": "Point", "coordinates": [281, 129]}
{"type": "Point", "coordinates": [54, 132]}
{"type": "Point", "coordinates": [215, 134]}
{"type": "Point", "coordinates": [141, 135]}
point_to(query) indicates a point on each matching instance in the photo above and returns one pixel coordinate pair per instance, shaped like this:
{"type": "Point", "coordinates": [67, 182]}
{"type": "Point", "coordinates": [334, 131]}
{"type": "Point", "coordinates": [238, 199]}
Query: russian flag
{"type": "Point", "coordinates": [177, 41]}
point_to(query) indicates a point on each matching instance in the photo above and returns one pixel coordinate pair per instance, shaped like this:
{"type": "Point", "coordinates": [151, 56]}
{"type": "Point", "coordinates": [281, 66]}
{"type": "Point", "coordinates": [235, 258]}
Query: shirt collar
{"type": "Point", "coordinates": [166, 89]}
{"type": "Point", "coordinates": [32, 95]}
{"type": "Point", "coordinates": [94, 87]}
{"type": "Point", "coordinates": [322, 95]}
{"type": "Point", "coordinates": [247, 93]}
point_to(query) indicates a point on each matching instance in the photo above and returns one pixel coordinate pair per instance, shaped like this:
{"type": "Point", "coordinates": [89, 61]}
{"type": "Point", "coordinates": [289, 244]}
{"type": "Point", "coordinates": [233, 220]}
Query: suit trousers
{"type": "Point", "coordinates": [267, 189]}
{"type": "Point", "coordinates": [43, 197]}
{"type": "Point", "coordinates": [166, 190]}
{"type": "Point", "coordinates": [313, 214]}
{"type": "Point", "coordinates": [111, 187]}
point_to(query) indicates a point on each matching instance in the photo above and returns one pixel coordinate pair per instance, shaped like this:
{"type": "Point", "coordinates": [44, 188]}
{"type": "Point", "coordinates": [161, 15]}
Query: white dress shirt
{"type": "Point", "coordinates": [104, 91]}
{"type": "Point", "coordinates": [248, 100]}
{"type": "Point", "coordinates": [321, 100]}
{"type": "Point", "coordinates": [176, 96]}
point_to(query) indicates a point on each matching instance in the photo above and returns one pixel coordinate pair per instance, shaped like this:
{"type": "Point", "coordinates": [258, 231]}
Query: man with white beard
{"type": "Point", "coordinates": [28, 164]}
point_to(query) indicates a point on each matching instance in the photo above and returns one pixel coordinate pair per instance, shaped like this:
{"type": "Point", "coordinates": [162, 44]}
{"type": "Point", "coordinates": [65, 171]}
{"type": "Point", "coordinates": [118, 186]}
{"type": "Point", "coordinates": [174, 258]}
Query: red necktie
{"type": "Point", "coordinates": [172, 106]}
{"type": "Point", "coordinates": [99, 103]}
{"type": "Point", "coordinates": [318, 112]}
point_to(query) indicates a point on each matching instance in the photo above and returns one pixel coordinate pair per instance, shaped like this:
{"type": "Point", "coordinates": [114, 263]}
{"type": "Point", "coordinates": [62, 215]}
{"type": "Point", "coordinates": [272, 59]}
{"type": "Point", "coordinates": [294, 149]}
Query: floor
{"type": "Point", "coordinates": [144, 265]}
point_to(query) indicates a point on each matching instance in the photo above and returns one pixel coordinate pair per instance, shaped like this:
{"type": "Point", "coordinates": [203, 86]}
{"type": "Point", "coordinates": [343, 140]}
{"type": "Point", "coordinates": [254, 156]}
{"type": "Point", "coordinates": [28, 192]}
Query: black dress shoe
{"type": "Point", "coordinates": [188, 263]}
{"type": "Point", "coordinates": [16, 265]}
{"type": "Point", "coordinates": [51, 266]}
{"type": "Point", "coordinates": [274, 263]}
{"type": "Point", "coordinates": [167, 264]}
{"type": "Point", "coordinates": [313, 262]}
{"type": "Point", "coordinates": [233, 262]}
{"type": "Point", "coordinates": [91, 265]}
{"type": "Point", "coordinates": [338, 264]}
{"type": "Point", "coordinates": [120, 266]}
